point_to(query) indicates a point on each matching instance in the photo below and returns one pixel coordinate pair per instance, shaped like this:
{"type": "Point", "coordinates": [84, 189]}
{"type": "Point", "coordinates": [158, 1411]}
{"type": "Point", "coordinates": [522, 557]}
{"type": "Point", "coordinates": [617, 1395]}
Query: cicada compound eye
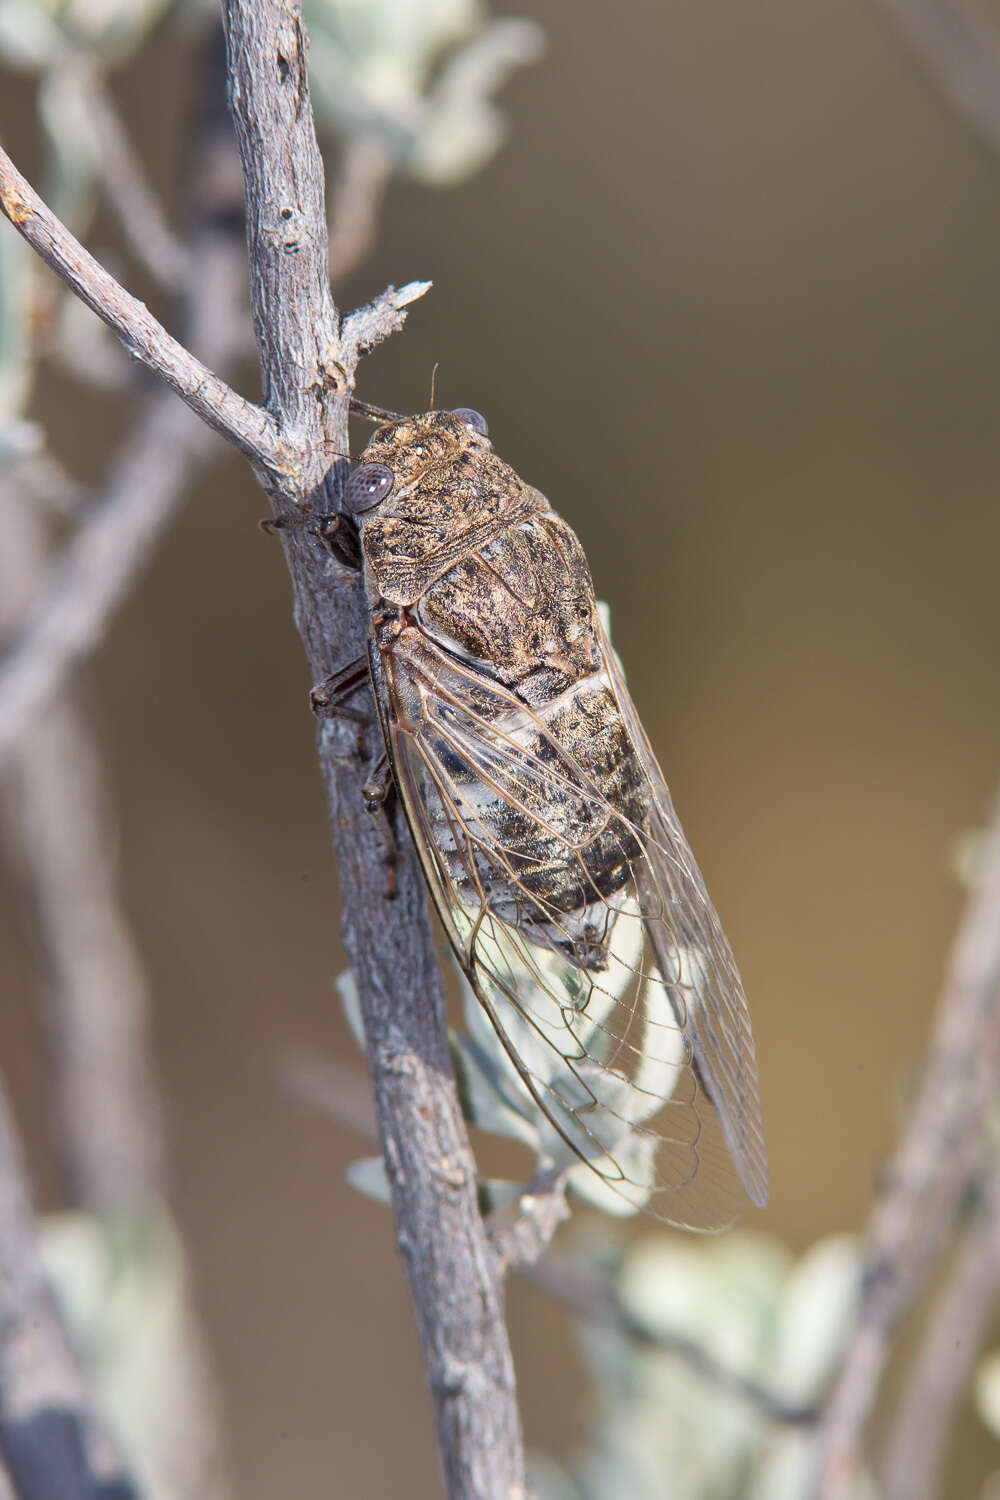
{"type": "Point", "coordinates": [473, 419]}
{"type": "Point", "coordinates": [367, 486]}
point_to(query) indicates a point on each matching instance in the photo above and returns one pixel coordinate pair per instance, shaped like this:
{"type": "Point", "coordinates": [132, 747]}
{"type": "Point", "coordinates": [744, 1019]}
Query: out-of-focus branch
{"type": "Point", "coordinates": [121, 525]}
{"type": "Point", "coordinates": [106, 1098]}
{"type": "Point", "coordinates": [43, 478]}
{"type": "Point", "coordinates": [363, 177]}
{"type": "Point", "coordinates": [925, 1179]}
{"type": "Point", "coordinates": [251, 429]}
{"type": "Point", "coordinates": [938, 1378]}
{"type": "Point", "coordinates": [518, 1233]}
{"type": "Point", "coordinates": [135, 205]}
{"type": "Point", "coordinates": [98, 566]}
{"type": "Point", "coordinates": [119, 528]}
{"type": "Point", "coordinates": [96, 1002]}
{"type": "Point", "coordinates": [338, 1090]}
{"type": "Point", "coordinates": [52, 1442]}
{"type": "Point", "coordinates": [591, 1297]}
{"type": "Point", "coordinates": [960, 52]}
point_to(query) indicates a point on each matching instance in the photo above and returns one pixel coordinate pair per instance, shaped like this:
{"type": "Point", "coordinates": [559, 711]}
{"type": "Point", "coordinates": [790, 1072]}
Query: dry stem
{"type": "Point", "coordinates": [925, 1180]}
{"type": "Point", "coordinates": [52, 1442]}
{"type": "Point", "coordinates": [249, 428]}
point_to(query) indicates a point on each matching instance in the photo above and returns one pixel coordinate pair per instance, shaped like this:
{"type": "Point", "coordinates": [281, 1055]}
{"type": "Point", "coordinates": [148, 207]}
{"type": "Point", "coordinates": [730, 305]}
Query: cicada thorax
{"type": "Point", "coordinates": [487, 577]}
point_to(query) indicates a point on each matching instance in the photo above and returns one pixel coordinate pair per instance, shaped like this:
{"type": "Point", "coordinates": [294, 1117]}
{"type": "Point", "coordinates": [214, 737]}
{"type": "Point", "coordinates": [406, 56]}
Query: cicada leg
{"type": "Point", "coordinates": [326, 698]}
{"type": "Point", "coordinates": [327, 702]}
{"type": "Point", "coordinates": [336, 531]}
{"type": "Point", "coordinates": [339, 535]}
{"type": "Point", "coordinates": [378, 791]}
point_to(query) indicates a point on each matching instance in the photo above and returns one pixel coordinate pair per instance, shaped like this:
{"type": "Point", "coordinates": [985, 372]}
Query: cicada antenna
{"type": "Point", "coordinates": [332, 452]}
{"type": "Point", "coordinates": [374, 413]}
{"type": "Point", "coordinates": [437, 364]}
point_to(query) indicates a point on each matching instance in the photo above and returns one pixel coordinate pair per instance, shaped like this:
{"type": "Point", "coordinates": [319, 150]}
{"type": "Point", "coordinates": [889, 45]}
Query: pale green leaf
{"type": "Point", "coordinates": [821, 1299]}
{"type": "Point", "coordinates": [367, 1175]}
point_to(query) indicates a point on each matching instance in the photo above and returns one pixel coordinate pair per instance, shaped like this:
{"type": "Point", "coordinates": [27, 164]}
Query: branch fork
{"type": "Point", "coordinates": [308, 360]}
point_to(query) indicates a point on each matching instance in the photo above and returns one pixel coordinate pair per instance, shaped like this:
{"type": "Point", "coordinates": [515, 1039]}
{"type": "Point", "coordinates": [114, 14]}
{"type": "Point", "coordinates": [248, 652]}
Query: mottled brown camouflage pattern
{"type": "Point", "coordinates": [466, 560]}
{"type": "Point", "coordinates": [545, 829]}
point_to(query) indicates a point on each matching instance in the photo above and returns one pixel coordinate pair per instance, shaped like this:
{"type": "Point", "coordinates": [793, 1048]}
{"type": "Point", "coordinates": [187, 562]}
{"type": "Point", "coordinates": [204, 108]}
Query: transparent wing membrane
{"type": "Point", "coordinates": [588, 937]}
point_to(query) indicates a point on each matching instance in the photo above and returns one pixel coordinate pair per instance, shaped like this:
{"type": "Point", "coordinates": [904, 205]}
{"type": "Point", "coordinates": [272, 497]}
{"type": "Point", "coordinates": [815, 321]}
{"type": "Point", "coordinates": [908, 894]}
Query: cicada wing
{"type": "Point", "coordinates": [681, 917]}
{"type": "Point", "coordinates": [601, 1006]}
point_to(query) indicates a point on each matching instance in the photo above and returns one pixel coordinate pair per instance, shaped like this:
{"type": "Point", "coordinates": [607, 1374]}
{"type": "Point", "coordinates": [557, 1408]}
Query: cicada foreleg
{"type": "Point", "coordinates": [337, 532]}
{"type": "Point", "coordinates": [339, 535]}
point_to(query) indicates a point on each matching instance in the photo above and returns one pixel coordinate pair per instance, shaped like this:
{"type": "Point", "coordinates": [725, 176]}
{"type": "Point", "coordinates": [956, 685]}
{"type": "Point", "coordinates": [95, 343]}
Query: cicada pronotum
{"type": "Point", "coordinates": [544, 827]}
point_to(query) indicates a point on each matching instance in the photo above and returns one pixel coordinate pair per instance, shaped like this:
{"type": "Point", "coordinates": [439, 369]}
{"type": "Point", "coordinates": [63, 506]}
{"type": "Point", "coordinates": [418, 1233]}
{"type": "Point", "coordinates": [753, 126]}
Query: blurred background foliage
{"type": "Point", "coordinates": [660, 1429]}
{"type": "Point", "coordinates": [728, 296]}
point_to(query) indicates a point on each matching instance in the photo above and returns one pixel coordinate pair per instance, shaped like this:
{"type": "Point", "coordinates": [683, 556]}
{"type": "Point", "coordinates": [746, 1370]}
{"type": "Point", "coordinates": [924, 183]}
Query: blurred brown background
{"type": "Point", "coordinates": [729, 296]}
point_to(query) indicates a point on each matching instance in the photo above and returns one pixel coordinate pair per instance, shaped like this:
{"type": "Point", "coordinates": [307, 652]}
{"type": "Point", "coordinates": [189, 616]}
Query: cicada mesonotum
{"type": "Point", "coordinates": [544, 827]}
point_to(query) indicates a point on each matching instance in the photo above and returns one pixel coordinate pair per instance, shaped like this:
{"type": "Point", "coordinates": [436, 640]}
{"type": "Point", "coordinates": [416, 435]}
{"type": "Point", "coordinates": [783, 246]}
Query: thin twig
{"type": "Point", "coordinates": [151, 476]}
{"type": "Point", "coordinates": [106, 1095]}
{"type": "Point", "coordinates": [453, 1276]}
{"type": "Point", "coordinates": [97, 568]}
{"type": "Point", "coordinates": [367, 326]}
{"type": "Point", "coordinates": [96, 999]}
{"type": "Point", "coordinates": [362, 179]}
{"type": "Point", "coordinates": [338, 1090]}
{"type": "Point", "coordinates": [50, 486]}
{"type": "Point", "coordinates": [960, 53]}
{"type": "Point", "coordinates": [120, 527]}
{"type": "Point", "coordinates": [136, 207]}
{"type": "Point", "coordinates": [591, 1297]}
{"type": "Point", "coordinates": [519, 1232]}
{"type": "Point", "coordinates": [252, 430]}
{"type": "Point", "coordinates": [52, 1441]}
{"type": "Point", "coordinates": [96, 1005]}
{"type": "Point", "coordinates": [938, 1377]}
{"type": "Point", "coordinates": [926, 1177]}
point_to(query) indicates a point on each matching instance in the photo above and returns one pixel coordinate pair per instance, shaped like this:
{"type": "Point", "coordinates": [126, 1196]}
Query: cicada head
{"type": "Point", "coordinates": [413, 445]}
{"type": "Point", "coordinates": [423, 484]}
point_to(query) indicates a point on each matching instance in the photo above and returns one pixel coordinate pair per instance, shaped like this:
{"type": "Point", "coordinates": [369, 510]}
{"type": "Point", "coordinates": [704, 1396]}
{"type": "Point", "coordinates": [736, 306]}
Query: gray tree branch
{"type": "Point", "coordinates": [250, 429]}
{"type": "Point", "coordinates": [66, 616]}
{"type": "Point", "coordinates": [453, 1275]}
{"type": "Point", "coordinates": [362, 179]}
{"type": "Point", "coordinates": [924, 1181]}
{"type": "Point", "coordinates": [81, 590]}
{"type": "Point", "coordinates": [52, 1442]}
{"type": "Point", "coordinates": [111, 1131]}
{"type": "Point", "coordinates": [118, 528]}
{"type": "Point", "coordinates": [126, 187]}
{"type": "Point", "coordinates": [938, 1377]}
{"type": "Point", "coordinates": [96, 1009]}
{"type": "Point", "coordinates": [961, 54]}
{"type": "Point", "coordinates": [337, 1089]}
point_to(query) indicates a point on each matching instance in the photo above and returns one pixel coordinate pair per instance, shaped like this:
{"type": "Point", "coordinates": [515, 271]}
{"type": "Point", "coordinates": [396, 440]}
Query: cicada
{"type": "Point", "coordinates": [544, 828]}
